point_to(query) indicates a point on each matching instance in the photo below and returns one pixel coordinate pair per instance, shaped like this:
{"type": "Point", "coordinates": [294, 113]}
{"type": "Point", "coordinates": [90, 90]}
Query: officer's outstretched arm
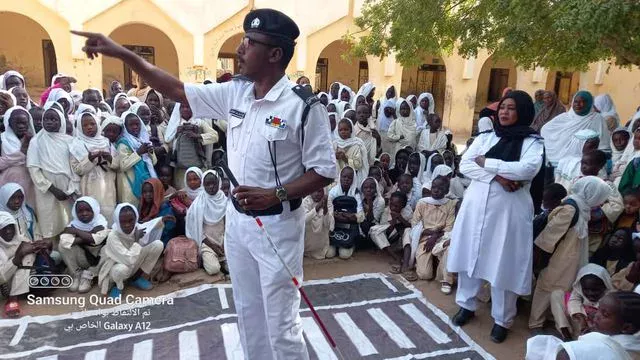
{"type": "Point", "coordinates": [157, 78]}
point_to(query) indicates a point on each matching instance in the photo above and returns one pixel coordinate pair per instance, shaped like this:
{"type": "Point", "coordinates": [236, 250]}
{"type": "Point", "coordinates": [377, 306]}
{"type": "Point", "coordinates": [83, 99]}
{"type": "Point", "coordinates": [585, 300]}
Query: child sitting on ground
{"type": "Point", "coordinates": [415, 168]}
{"type": "Point", "coordinates": [348, 214]}
{"type": "Point", "coordinates": [618, 316]}
{"type": "Point", "coordinates": [319, 223]}
{"type": "Point", "coordinates": [373, 206]}
{"type": "Point", "coordinates": [81, 242]}
{"type": "Point", "coordinates": [375, 172]}
{"type": "Point", "coordinates": [127, 254]}
{"type": "Point", "coordinates": [165, 175]}
{"type": "Point", "coordinates": [205, 223]}
{"type": "Point", "coordinates": [574, 312]}
{"type": "Point", "coordinates": [431, 226]}
{"type": "Point", "coordinates": [631, 213]}
{"type": "Point", "coordinates": [393, 223]}
{"type": "Point", "coordinates": [630, 166]}
{"type": "Point", "coordinates": [15, 251]}
{"type": "Point", "coordinates": [154, 206]}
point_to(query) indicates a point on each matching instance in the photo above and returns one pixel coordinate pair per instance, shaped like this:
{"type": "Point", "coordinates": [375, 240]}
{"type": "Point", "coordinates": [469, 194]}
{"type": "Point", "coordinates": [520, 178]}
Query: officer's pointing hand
{"type": "Point", "coordinates": [97, 43]}
{"type": "Point", "coordinates": [255, 198]}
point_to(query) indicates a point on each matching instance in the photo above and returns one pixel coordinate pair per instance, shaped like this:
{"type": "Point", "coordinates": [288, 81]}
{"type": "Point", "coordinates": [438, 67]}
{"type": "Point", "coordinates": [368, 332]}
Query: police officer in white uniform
{"type": "Point", "coordinates": [278, 154]}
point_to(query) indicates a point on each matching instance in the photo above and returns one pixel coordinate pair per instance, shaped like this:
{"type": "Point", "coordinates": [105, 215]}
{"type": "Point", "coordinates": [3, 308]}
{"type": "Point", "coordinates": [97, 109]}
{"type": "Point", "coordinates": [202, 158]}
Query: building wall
{"type": "Point", "coordinates": [198, 31]}
{"type": "Point", "coordinates": [339, 69]}
{"type": "Point", "coordinates": [139, 34]}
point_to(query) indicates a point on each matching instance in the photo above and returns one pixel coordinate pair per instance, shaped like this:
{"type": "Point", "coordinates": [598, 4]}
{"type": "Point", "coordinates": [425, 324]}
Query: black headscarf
{"type": "Point", "coordinates": [509, 147]}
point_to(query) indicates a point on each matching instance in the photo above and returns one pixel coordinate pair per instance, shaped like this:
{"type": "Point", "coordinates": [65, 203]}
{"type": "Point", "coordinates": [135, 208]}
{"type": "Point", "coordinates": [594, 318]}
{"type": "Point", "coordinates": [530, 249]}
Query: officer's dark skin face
{"type": "Point", "coordinates": [256, 60]}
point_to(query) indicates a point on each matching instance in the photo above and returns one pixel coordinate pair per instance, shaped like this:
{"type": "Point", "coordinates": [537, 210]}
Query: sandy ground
{"type": "Point", "coordinates": [362, 262]}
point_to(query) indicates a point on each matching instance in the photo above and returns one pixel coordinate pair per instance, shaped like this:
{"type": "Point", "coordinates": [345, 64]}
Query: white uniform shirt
{"type": "Point", "coordinates": [251, 127]}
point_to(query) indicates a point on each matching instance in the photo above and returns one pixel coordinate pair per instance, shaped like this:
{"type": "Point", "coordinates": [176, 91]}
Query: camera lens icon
{"type": "Point", "coordinates": [50, 281]}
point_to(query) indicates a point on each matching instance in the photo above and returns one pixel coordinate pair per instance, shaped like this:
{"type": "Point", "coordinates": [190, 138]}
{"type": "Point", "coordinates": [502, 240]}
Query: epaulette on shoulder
{"type": "Point", "coordinates": [536, 136]}
{"type": "Point", "coordinates": [305, 93]}
{"type": "Point", "coordinates": [240, 77]}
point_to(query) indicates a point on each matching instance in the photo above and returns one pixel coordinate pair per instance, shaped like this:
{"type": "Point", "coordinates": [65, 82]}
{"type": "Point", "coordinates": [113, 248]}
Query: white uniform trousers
{"type": "Point", "coordinates": [503, 302]}
{"type": "Point", "coordinates": [266, 300]}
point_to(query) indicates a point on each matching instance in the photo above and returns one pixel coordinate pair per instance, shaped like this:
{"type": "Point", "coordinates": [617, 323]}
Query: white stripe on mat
{"type": "Point", "coordinates": [427, 325]}
{"type": "Point", "coordinates": [143, 350]}
{"type": "Point", "coordinates": [357, 337]}
{"type": "Point", "coordinates": [395, 333]}
{"type": "Point", "coordinates": [188, 341]}
{"type": "Point", "coordinates": [317, 340]}
{"type": "Point", "coordinates": [50, 357]}
{"type": "Point", "coordinates": [231, 339]}
{"type": "Point", "coordinates": [222, 294]}
{"type": "Point", "coordinates": [96, 355]}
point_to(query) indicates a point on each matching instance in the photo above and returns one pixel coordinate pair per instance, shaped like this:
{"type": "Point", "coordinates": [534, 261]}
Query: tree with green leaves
{"type": "Point", "coordinates": [547, 33]}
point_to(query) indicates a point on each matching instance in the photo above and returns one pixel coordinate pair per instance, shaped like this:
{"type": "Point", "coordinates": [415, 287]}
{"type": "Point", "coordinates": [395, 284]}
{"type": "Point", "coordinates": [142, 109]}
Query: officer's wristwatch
{"type": "Point", "coordinates": [281, 193]}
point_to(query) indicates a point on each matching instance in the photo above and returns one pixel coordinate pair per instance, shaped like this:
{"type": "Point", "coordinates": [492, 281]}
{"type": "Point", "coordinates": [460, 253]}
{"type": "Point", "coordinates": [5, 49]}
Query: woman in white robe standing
{"type": "Point", "coordinates": [492, 236]}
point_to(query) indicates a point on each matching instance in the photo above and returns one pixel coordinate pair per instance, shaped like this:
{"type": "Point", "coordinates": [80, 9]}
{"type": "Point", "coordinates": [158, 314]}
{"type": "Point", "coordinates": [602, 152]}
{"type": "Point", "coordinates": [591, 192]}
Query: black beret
{"type": "Point", "coordinates": [273, 23]}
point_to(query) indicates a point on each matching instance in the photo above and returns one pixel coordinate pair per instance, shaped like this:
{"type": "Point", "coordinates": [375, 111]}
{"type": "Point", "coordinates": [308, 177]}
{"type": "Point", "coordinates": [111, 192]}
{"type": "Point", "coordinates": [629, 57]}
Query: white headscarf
{"type": "Point", "coordinates": [190, 192]}
{"type": "Point", "coordinates": [6, 192]}
{"type": "Point", "coordinates": [569, 168]}
{"type": "Point", "coordinates": [98, 218]}
{"type": "Point", "coordinates": [421, 114]}
{"type": "Point", "coordinates": [337, 189]}
{"type": "Point", "coordinates": [409, 100]}
{"type": "Point", "coordinates": [115, 100]}
{"type": "Point", "coordinates": [205, 208]}
{"type": "Point", "coordinates": [416, 190]}
{"type": "Point", "coordinates": [426, 176]}
{"type": "Point", "coordinates": [365, 89]}
{"type": "Point", "coordinates": [330, 86]}
{"type": "Point", "coordinates": [116, 221]}
{"type": "Point", "coordinates": [588, 192]}
{"type": "Point", "coordinates": [440, 170]}
{"type": "Point", "coordinates": [29, 101]}
{"type": "Point", "coordinates": [384, 95]}
{"type": "Point", "coordinates": [10, 73]}
{"type": "Point", "coordinates": [136, 142]}
{"type": "Point", "coordinates": [594, 346]}
{"type": "Point", "coordinates": [10, 142]}
{"type": "Point", "coordinates": [345, 87]}
{"type": "Point", "coordinates": [83, 108]}
{"type": "Point", "coordinates": [562, 127]}
{"type": "Point", "coordinates": [57, 94]}
{"type": "Point", "coordinates": [50, 152]}
{"type": "Point", "coordinates": [593, 269]}
{"type": "Point", "coordinates": [607, 108]}
{"type": "Point", "coordinates": [176, 120]}
{"type": "Point", "coordinates": [617, 154]}
{"type": "Point", "coordinates": [8, 248]}
{"type": "Point", "coordinates": [340, 108]}
{"type": "Point", "coordinates": [341, 143]}
{"type": "Point", "coordinates": [82, 144]}
{"type": "Point", "coordinates": [384, 121]}
{"type": "Point", "coordinates": [321, 93]}
{"type": "Point", "coordinates": [485, 125]}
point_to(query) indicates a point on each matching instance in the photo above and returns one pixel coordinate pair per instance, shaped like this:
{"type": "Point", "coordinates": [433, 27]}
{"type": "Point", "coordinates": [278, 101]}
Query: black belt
{"type": "Point", "coordinates": [294, 204]}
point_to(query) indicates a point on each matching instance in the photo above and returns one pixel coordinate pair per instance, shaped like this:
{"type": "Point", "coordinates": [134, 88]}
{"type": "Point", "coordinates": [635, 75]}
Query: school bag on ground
{"type": "Point", "coordinates": [345, 235]}
{"type": "Point", "coordinates": [181, 255]}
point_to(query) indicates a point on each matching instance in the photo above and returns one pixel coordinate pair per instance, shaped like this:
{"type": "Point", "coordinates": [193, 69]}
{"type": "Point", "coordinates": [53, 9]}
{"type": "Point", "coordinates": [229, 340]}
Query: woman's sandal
{"type": "Point", "coordinates": [12, 309]}
{"type": "Point", "coordinates": [410, 276]}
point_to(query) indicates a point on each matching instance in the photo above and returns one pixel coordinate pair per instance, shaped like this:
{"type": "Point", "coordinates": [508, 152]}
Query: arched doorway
{"type": "Point", "coordinates": [495, 76]}
{"type": "Point", "coordinates": [430, 76]}
{"type": "Point", "coordinates": [331, 67]}
{"type": "Point", "coordinates": [32, 53]}
{"type": "Point", "coordinates": [227, 56]}
{"type": "Point", "coordinates": [564, 84]}
{"type": "Point", "coordinates": [150, 43]}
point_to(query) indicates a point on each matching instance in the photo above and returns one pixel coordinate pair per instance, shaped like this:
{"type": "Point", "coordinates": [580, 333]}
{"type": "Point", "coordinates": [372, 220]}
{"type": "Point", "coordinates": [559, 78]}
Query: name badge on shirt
{"type": "Point", "coordinates": [276, 122]}
{"type": "Point", "coordinates": [237, 113]}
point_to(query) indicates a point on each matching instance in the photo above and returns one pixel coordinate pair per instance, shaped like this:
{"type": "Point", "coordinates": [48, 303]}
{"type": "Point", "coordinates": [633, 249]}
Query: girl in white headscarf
{"type": "Point", "coordinates": [180, 125]}
{"type": "Point", "coordinates": [592, 346]}
{"type": "Point", "coordinates": [415, 168]}
{"type": "Point", "coordinates": [92, 160]}
{"type": "Point", "coordinates": [14, 142]}
{"type": "Point", "coordinates": [402, 131]}
{"type": "Point", "coordinates": [15, 249]}
{"type": "Point", "coordinates": [347, 187]}
{"type": "Point", "coordinates": [81, 242]}
{"type": "Point", "coordinates": [386, 115]}
{"type": "Point", "coordinates": [334, 90]}
{"type": "Point", "coordinates": [426, 106]}
{"type": "Point", "coordinates": [12, 200]}
{"type": "Point", "coordinates": [603, 104]}
{"type": "Point", "coordinates": [22, 97]}
{"type": "Point", "coordinates": [55, 181]}
{"type": "Point", "coordinates": [345, 93]}
{"type": "Point", "coordinates": [120, 104]}
{"type": "Point", "coordinates": [568, 168]}
{"type": "Point", "coordinates": [567, 245]}
{"type": "Point", "coordinates": [137, 158]}
{"type": "Point", "coordinates": [619, 141]}
{"type": "Point", "coordinates": [155, 131]}
{"type": "Point", "coordinates": [205, 222]}
{"type": "Point", "coordinates": [63, 98]}
{"type": "Point", "coordinates": [485, 125]}
{"type": "Point", "coordinates": [12, 79]}
{"type": "Point", "coordinates": [351, 151]}
{"type": "Point", "coordinates": [124, 253]}
{"type": "Point", "coordinates": [319, 223]}
{"type": "Point", "coordinates": [367, 90]}
{"type": "Point", "coordinates": [434, 136]}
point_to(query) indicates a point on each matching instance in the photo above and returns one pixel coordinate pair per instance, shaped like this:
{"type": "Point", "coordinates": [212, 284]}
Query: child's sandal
{"type": "Point", "coordinates": [12, 309]}
{"type": "Point", "coordinates": [410, 276]}
{"type": "Point", "coordinates": [395, 269]}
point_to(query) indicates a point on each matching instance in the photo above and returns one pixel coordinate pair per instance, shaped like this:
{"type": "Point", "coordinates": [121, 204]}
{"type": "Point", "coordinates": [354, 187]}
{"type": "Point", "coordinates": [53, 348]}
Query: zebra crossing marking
{"type": "Point", "coordinates": [317, 340]}
{"type": "Point", "coordinates": [189, 348]}
{"type": "Point", "coordinates": [395, 333]}
{"type": "Point", "coordinates": [143, 350]}
{"type": "Point", "coordinates": [222, 294]}
{"type": "Point", "coordinates": [427, 325]}
{"type": "Point", "coordinates": [96, 355]}
{"type": "Point", "coordinates": [355, 334]}
{"type": "Point", "coordinates": [231, 340]}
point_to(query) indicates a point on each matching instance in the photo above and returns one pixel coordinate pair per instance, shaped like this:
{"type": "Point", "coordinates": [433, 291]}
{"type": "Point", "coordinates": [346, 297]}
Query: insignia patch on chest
{"type": "Point", "coordinates": [237, 113]}
{"type": "Point", "coordinates": [276, 122]}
